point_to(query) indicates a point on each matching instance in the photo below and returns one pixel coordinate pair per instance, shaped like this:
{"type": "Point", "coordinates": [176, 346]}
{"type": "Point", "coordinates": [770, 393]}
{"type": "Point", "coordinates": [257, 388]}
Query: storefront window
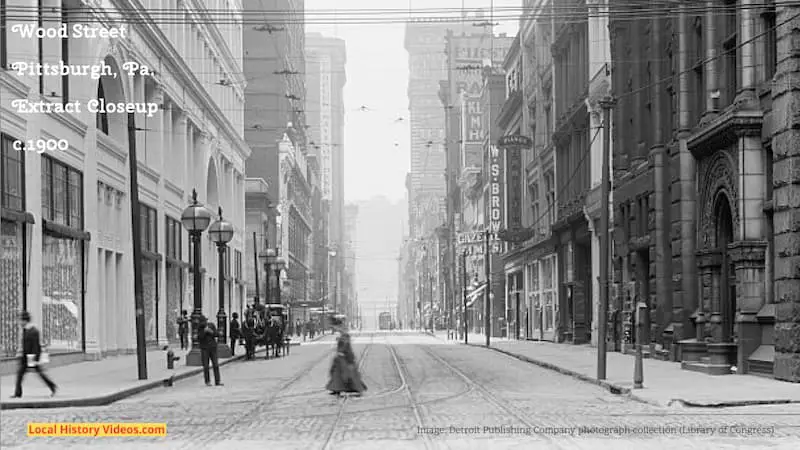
{"type": "Point", "coordinates": [174, 280]}
{"type": "Point", "coordinates": [150, 275]}
{"type": "Point", "coordinates": [11, 263]}
{"type": "Point", "coordinates": [11, 166]}
{"type": "Point", "coordinates": [12, 244]}
{"type": "Point", "coordinates": [549, 311]}
{"type": "Point", "coordinates": [547, 273]}
{"type": "Point", "coordinates": [62, 281]}
{"type": "Point", "coordinates": [62, 258]}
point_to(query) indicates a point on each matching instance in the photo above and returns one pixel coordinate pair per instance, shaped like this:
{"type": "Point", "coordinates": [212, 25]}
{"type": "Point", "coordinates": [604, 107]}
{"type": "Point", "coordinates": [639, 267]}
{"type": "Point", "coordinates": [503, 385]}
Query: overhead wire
{"type": "Point", "coordinates": [563, 13]}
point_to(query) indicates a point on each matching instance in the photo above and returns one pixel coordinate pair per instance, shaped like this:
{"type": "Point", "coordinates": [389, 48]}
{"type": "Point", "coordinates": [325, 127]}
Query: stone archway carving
{"type": "Point", "coordinates": [717, 177]}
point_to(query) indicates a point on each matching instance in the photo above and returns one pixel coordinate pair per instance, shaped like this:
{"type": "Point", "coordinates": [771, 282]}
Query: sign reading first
{"type": "Point", "coordinates": [76, 31]}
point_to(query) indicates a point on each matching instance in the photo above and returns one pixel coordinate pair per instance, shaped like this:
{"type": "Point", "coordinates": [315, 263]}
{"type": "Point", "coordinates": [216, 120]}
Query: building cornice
{"type": "Point", "coordinates": [14, 84]}
{"type": "Point", "coordinates": [235, 69]}
{"type": "Point", "coordinates": [724, 131]}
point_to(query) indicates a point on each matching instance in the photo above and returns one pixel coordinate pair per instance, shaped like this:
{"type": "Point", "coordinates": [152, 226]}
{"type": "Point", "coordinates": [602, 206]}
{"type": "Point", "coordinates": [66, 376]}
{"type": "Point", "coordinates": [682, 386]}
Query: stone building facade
{"type": "Point", "coordinates": [703, 186]}
{"type": "Point", "coordinates": [539, 191]}
{"type": "Point", "coordinates": [572, 138]}
{"type": "Point", "coordinates": [66, 214]}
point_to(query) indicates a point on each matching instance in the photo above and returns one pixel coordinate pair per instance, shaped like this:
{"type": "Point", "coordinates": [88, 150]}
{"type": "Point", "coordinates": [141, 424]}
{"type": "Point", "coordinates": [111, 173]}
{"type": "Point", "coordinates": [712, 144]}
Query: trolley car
{"type": "Point", "coordinates": [385, 321]}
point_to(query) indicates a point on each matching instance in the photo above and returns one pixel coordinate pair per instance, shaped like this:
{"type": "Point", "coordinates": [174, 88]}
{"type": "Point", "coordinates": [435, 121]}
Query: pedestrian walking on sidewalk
{"type": "Point", "coordinates": [344, 375]}
{"type": "Point", "coordinates": [31, 355]}
{"type": "Point", "coordinates": [207, 337]}
{"type": "Point", "coordinates": [236, 332]}
{"type": "Point", "coordinates": [183, 329]}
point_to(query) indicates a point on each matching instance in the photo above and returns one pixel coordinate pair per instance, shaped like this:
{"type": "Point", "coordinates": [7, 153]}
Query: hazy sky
{"type": "Point", "coordinates": [376, 143]}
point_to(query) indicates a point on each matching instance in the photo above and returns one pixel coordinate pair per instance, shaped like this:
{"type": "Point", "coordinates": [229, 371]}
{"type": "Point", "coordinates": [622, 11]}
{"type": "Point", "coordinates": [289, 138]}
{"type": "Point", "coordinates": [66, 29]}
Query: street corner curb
{"type": "Point", "coordinates": [731, 404]}
{"type": "Point", "coordinates": [610, 387]}
{"type": "Point", "coordinates": [108, 399]}
{"type": "Point", "coordinates": [316, 339]}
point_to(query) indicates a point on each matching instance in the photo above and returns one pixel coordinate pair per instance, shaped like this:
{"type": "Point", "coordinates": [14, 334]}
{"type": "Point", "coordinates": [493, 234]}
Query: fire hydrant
{"type": "Point", "coordinates": [171, 358]}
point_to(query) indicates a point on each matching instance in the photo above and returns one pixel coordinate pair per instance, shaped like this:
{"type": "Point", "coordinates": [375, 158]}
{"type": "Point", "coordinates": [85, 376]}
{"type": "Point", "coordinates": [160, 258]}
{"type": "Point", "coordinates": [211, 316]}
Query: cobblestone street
{"type": "Point", "coordinates": [422, 394]}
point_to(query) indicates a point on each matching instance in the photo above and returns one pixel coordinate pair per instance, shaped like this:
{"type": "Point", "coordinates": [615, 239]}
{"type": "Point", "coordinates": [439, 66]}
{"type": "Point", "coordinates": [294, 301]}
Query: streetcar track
{"type": "Point", "coordinates": [259, 406]}
{"type": "Point", "coordinates": [426, 439]}
{"type": "Point", "coordinates": [491, 398]}
{"type": "Point", "coordinates": [329, 439]}
{"type": "Point", "coordinates": [404, 384]}
{"type": "Point", "coordinates": [379, 394]}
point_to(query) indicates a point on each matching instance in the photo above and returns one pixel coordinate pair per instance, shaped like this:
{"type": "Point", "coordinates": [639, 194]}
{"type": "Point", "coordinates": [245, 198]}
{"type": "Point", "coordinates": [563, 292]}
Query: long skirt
{"type": "Point", "coordinates": [344, 377]}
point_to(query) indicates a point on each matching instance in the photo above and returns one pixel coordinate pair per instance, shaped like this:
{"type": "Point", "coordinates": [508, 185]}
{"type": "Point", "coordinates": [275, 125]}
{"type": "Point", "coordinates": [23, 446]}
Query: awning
{"type": "Point", "coordinates": [475, 295]}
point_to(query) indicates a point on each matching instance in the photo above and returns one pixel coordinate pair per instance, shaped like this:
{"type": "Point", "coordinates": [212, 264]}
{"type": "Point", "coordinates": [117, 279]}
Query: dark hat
{"type": "Point", "coordinates": [25, 316]}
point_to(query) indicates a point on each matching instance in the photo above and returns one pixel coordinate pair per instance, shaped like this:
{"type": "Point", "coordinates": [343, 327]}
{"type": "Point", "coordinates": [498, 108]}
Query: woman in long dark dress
{"type": "Point", "coordinates": [344, 375]}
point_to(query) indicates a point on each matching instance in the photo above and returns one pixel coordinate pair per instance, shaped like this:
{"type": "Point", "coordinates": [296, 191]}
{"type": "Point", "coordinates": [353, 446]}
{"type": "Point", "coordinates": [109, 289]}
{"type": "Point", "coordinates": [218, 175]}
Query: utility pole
{"type": "Point", "coordinates": [487, 320]}
{"type": "Point", "coordinates": [421, 289]}
{"type": "Point", "coordinates": [430, 301]}
{"type": "Point", "coordinates": [464, 291]}
{"type": "Point", "coordinates": [602, 310]}
{"type": "Point", "coordinates": [255, 266]}
{"type": "Point", "coordinates": [138, 283]}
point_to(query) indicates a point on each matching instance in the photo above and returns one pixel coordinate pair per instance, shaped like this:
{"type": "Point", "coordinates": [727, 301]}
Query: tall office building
{"type": "Point", "coordinates": [427, 62]}
{"type": "Point", "coordinates": [324, 106]}
{"type": "Point", "coordinates": [274, 67]}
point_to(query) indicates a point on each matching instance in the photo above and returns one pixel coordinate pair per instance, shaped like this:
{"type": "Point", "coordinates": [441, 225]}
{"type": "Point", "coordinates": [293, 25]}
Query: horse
{"type": "Point", "coordinates": [274, 337]}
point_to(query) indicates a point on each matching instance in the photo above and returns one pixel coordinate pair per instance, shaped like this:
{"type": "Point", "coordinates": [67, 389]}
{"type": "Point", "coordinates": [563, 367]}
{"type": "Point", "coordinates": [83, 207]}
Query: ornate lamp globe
{"type": "Point", "coordinates": [221, 231]}
{"type": "Point", "coordinates": [280, 264]}
{"type": "Point", "coordinates": [196, 217]}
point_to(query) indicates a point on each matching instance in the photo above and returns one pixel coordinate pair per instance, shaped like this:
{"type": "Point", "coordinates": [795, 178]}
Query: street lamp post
{"type": "Point", "coordinates": [464, 291]}
{"type": "Point", "coordinates": [195, 220]}
{"type": "Point", "coordinates": [278, 267]}
{"type": "Point", "coordinates": [332, 254]}
{"type": "Point", "coordinates": [221, 232]}
{"type": "Point", "coordinates": [269, 257]}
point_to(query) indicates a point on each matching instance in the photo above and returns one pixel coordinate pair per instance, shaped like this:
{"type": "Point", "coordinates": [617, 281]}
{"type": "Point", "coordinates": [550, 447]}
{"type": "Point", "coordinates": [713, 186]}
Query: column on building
{"type": "Point", "coordinates": [167, 168]}
{"type": "Point", "coordinates": [711, 66]}
{"type": "Point", "coordinates": [748, 255]}
{"type": "Point", "coordinates": [661, 311]}
{"type": "Point", "coordinates": [93, 204]}
{"type": "Point", "coordinates": [686, 302]}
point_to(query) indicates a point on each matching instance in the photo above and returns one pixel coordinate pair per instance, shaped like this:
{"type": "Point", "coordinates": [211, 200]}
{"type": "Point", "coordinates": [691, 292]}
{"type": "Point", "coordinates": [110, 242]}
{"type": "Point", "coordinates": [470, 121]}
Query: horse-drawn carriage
{"type": "Point", "coordinates": [269, 327]}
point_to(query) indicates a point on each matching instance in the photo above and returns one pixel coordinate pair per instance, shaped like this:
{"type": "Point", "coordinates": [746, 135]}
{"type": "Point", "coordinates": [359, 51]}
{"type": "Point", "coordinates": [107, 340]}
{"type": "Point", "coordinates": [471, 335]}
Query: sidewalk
{"type": "Point", "coordinates": [665, 383]}
{"type": "Point", "coordinates": [97, 383]}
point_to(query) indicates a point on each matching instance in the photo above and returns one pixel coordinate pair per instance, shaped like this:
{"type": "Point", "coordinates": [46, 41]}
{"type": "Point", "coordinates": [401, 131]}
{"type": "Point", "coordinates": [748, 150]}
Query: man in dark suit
{"type": "Point", "coordinates": [207, 337]}
{"type": "Point", "coordinates": [31, 349]}
{"type": "Point", "coordinates": [236, 333]}
{"type": "Point", "coordinates": [249, 333]}
{"type": "Point", "coordinates": [183, 329]}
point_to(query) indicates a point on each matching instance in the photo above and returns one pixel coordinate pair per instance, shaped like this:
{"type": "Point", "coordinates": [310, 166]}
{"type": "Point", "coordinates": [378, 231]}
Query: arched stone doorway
{"type": "Point", "coordinates": [726, 297]}
{"type": "Point", "coordinates": [714, 350]}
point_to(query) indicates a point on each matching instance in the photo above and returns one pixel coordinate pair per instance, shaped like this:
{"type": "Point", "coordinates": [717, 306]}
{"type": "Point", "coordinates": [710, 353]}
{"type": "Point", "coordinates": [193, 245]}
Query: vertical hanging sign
{"type": "Point", "coordinates": [513, 145]}
{"type": "Point", "coordinates": [495, 209]}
